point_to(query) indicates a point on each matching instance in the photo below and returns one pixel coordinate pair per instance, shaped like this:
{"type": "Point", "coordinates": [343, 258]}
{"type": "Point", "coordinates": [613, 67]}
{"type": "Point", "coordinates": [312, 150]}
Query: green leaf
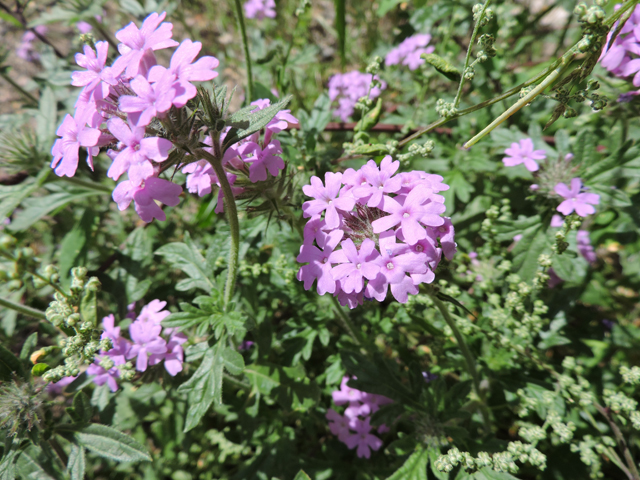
{"type": "Point", "coordinates": [370, 119]}
{"type": "Point", "coordinates": [29, 344]}
{"type": "Point", "coordinates": [257, 121]}
{"type": "Point", "coordinates": [442, 66]}
{"type": "Point", "coordinates": [110, 443]}
{"type": "Point", "coordinates": [76, 463]}
{"type": "Point", "coordinates": [488, 474]}
{"type": "Point", "coordinates": [39, 368]}
{"type": "Point", "coordinates": [47, 118]}
{"type": "Point", "coordinates": [204, 387]}
{"type": "Point", "coordinates": [38, 207]}
{"type": "Point", "coordinates": [186, 257]}
{"type": "Point", "coordinates": [29, 466]}
{"type": "Point", "coordinates": [302, 476]}
{"type": "Point", "coordinates": [414, 468]}
{"type": "Point", "coordinates": [82, 407]}
{"type": "Point", "coordinates": [7, 17]}
{"type": "Point", "coordinates": [526, 252]}
{"type": "Point", "coordinates": [263, 378]}
{"type": "Point", "coordinates": [17, 193]}
{"type": "Point", "coordinates": [10, 364]}
{"type": "Point", "coordinates": [371, 149]}
{"type": "Point", "coordinates": [385, 6]}
{"type": "Point", "coordinates": [7, 465]}
{"type": "Point", "coordinates": [89, 307]}
{"type": "Point", "coordinates": [233, 361]}
{"type": "Point", "coordinates": [584, 149]}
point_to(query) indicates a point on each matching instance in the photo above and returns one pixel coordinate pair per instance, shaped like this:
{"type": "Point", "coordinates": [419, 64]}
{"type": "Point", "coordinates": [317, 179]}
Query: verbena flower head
{"type": "Point", "coordinates": [353, 428]}
{"type": "Point", "coordinates": [348, 88]}
{"type": "Point", "coordinates": [409, 51]}
{"type": "Point", "coordinates": [523, 152]}
{"type": "Point", "coordinates": [117, 105]}
{"type": "Point", "coordinates": [372, 230]}
{"type": "Point", "coordinates": [584, 246]}
{"type": "Point", "coordinates": [581, 203]}
{"type": "Point", "coordinates": [260, 9]}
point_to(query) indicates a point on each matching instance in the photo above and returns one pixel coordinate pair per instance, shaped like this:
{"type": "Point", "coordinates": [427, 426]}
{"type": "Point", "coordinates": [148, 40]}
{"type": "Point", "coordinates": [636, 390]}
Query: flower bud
{"type": "Point", "coordinates": [6, 242]}
{"type": "Point", "coordinates": [73, 319]}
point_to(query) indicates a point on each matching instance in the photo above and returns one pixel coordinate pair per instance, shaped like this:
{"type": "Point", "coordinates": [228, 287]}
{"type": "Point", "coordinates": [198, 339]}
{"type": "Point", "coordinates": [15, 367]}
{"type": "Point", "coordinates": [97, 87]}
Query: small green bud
{"type": "Point", "coordinates": [73, 319]}
{"type": "Point", "coordinates": [93, 285]}
{"type": "Point", "coordinates": [7, 242]}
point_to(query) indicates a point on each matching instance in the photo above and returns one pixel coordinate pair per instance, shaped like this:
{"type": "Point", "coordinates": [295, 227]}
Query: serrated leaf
{"type": "Point", "coordinates": [109, 443]}
{"type": "Point", "coordinates": [370, 149]}
{"type": "Point", "coordinates": [442, 66]}
{"type": "Point", "coordinates": [186, 257]}
{"type": "Point", "coordinates": [414, 468]}
{"type": "Point", "coordinates": [487, 474]}
{"type": "Point", "coordinates": [89, 307]}
{"type": "Point", "coordinates": [233, 361]}
{"type": "Point", "coordinates": [204, 387]}
{"type": "Point", "coordinates": [28, 465]}
{"type": "Point", "coordinates": [76, 463]}
{"type": "Point", "coordinates": [19, 192]}
{"type": "Point", "coordinates": [370, 119]}
{"type": "Point", "coordinates": [257, 121]}
{"type": "Point", "coordinates": [534, 241]}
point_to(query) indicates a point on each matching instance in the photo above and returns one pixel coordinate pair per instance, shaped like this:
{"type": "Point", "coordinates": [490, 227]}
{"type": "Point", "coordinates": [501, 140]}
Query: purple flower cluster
{"type": "Point", "coordinates": [389, 228]}
{"type": "Point", "coordinates": [146, 346]}
{"type": "Point", "coordinates": [584, 246]}
{"type": "Point", "coordinates": [348, 88]}
{"type": "Point", "coordinates": [619, 58]}
{"type": "Point", "coordinates": [523, 152]}
{"type": "Point", "coordinates": [26, 50]}
{"type": "Point", "coordinates": [252, 156]}
{"type": "Point", "coordinates": [260, 9]}
{"type": "Point", "coordinates": [409, 51]}
{"type": "Point", "coordinates": [354, 428]}
{"type": "Point", "coordinates": [117, 103]}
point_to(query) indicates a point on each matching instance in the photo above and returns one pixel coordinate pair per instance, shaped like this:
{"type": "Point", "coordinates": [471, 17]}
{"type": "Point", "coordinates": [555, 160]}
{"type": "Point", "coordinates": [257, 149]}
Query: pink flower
{"type": "Point", "coordinates": [346, 394]}
{"type": "Point", "coordinates": [326, 199]}
{"type": "Point", "coordinates": [556, 221]}
{"type": "Point", "coordinates": [446, 234]}
{"type": "Point", "coordinates": [320, 262]}
{"type": "Point", "coordinates": [359, 264]}
{"type": "Point", "coordinates": [410, 214]}
{"type": "Point", "coordinates": [143, 196]}
{"type": "Point", "coordinates": [146, 341]}
{"type": "Point", "coordinates": [584, 246]}
{"type": "Point", "coordinates": [151, 101]}
{"type": "Point", "coordinates": [348, 88]}
{"type": "Point", "coordinates": [95, 68]}
{"type": "Point", "coordinates": [363, 439]}
{"type": "Point", "coordinates": [184, 71]}
{"type": "Point", "coordinates": [174, 356]}
{"type": "Point", "coordinates": [138, 44]}
{"type": "Point", "coordinates": [523, 152]}
{"type": "Point", "coordinates": [260, 9]}
{"type": "Point", "coordinates": [56, 388]}
{"type": "Point", "coordinates": [378, 182]}
{"type": "Point", "coordinates": [153, 312]}
{"type": "Point", "coordinates": [409, 51]}
{"type": "Point", "coordinates": [138, 150]}
{"type": "Point", "coordinates": [84, 27]}
{"type": "Point", "coordinates": [75, 134]}
{"type": "Point", "coordinates": [339, 425]}
{"type": "Point", "coordinates": [102, 376]}
{"type": "Point", "coordinates": [582, 203]}
{"type": "Point", "coordinates": [313, 230]}
{"type": "Point", "coordinates": [262, 160]}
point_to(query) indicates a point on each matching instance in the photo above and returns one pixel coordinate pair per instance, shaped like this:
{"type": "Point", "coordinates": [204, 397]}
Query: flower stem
{"type": "Point", "coordinates": [622, 443]}
{"type": "Point", "coordinates": [245, 46]}
{"type": "Point", "coordinates": [552, 77]}
{"type": "Point", "coordinates": [22, 91]}
{"type": "Point", "coordinates": [28, 311]}
{"type": "Point", "coordinates": [232, 216]}
{"type": "Point", "coordinates": [476, 28]}
{"type": "Point", "coordinates": [469, 360]}
{"type": "Point", "coordinates": [346, 323]}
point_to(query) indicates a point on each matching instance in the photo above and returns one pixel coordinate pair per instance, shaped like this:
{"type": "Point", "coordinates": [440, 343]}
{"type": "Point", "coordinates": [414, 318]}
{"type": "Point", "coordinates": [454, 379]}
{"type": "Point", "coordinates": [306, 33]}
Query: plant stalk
{"type": "Point", "coordinates": [469, 360]}
{"type": "Point", "coordinates": [245, 46]}
{"type": "Point", "coordinates": [28, 311]}
{"type": "Point", "coordinates": [622, 444]}
{"type": "Point", "coordinates": [232, 217]}
{"type": "Point", "coordinates": [346, 323]}
{"type": "Point", "coordinates": [472, 42]}
{"type": "Point", "coordinates": [33, 100]}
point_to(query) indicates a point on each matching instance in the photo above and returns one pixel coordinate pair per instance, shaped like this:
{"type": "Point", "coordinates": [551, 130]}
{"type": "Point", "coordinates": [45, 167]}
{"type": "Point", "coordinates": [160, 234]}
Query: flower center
{"type": "Point", "coordinates": [406, 215]}
{"type": "Point", "coordinates": [419, 248]}
{"type": "Point", "coordinates": [442, 229]}
{"type": "Point", "coordinates": [325, 259]}
{"type": "Point", "coordinates": [390, 266]}
{"type": "Point", "coordinates": [358, 266]}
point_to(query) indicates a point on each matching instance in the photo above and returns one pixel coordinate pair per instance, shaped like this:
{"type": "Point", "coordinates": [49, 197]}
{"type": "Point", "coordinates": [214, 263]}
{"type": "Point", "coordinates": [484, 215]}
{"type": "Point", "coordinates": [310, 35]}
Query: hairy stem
{"type": "Point", "coordinates": [469, 360]}
{"type": "Point", "coordinates": [476, 28]}
{"type": "Point", "coordinates": [28, 311]}
{"type": "Point", "coordinates": [245, 46]}
{"type": "Point", "coordinates": [232, 216]}
{"type": "Point", "coordinates": [552, 77]}
{"type": "Point", "coordinates": [622, 443]}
